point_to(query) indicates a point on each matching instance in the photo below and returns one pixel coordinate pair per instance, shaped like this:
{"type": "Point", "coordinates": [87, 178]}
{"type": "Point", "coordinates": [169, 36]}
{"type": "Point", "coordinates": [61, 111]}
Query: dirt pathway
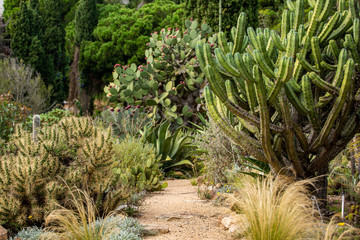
{"type": "Point", "coordinates": [179, 209]}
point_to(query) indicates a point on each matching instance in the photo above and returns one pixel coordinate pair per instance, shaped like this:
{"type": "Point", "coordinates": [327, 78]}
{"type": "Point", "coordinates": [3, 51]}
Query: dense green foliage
{"type": "Point", "coordinates": [208, 10]}
{"type": "Point", "coordinates": [85, 21]}
{"type": "Point", "coordinates": [37, 37]}
{"type": "Point", "coordinates": [121, 35]}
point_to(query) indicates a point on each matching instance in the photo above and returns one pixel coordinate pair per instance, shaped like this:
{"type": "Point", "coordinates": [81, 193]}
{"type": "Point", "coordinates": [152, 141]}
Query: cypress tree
{"type": "Point", "coordinates": [85, 22]}
{"type": "Point", "coordinates": [54, 46]}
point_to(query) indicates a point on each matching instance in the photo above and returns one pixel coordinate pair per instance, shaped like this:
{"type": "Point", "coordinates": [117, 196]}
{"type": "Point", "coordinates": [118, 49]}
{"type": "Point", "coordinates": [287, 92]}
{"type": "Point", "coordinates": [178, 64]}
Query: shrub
{"type": "Point", "coordinates": [220, 154]}
{"type": "Point", "coordinates": [137, 164]}
{"type": "Point", "coordinates": [121, 34]}
{"type": "Point", "coordinates": [24, 84]}
{"type": "Point", "coordinates": [276, 209]}
{"type": "Point", "coordinates": [11, 113]}
{"type": "Point", "coordinates": [32, 174]}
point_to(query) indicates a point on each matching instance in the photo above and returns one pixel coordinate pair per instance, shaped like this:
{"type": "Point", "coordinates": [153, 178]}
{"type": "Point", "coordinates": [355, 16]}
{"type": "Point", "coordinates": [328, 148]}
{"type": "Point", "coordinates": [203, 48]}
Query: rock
{"type": "Point", "coordinates": [236, 224]}
{"type": "Point", "coordinates": [152, 229]}
{"type": "Point", "coordinates": [226, 221]}
{"type": "Point", "coordinates": [3, 233]}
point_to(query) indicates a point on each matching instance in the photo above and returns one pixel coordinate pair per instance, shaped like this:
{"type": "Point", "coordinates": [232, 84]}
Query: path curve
{"type": "Point", "coordinates": [179, 208]}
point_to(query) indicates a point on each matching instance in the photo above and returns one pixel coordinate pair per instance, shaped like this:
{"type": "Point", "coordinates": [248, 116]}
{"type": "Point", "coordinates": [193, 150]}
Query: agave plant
{"type": "Point", "coordinates": [174, 148]}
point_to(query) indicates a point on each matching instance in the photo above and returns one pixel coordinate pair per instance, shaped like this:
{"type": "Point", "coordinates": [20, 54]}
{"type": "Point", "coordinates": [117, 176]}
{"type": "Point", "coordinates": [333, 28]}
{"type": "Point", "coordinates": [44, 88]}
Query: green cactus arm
{"type": "Point", "coordinates": [305, 64]}
{"type": "Point", "coordinates": [262, 44]}
{"type": "Point", "coordinates": [245, 141]}
{"type": "Point", "coordinates": [328, 28]}
{"type": "Point", "coordinates": [300, 135]}
{"type": "Point", "coordinates": [231, 93]}
{"type": "Point", "coordinates": [265, 135]}
{"type": "Point", "coordinates": [277, 41]}
{"type": "Point", "coordinates": [216, 83]}
{"type": "Point", "coordinates": [323, 84]}
{"type": "Point", "coordinates": [344, 26]}
{"type": "Point", "coordinates": [353, 9]}
{"type": "Point", "coordinates": [223, 42]}
{"type": "Point", "coordinates": [294, 100]}
{"type": "Point", "coordinates": [314, 23]}
{"type": "Point", "coordinates": [225, 64]}
{"type": "Point", "coordinates": [200, 56]}
{"type": "Point", "coordinates": [242, 68]}
{"type": "Point", "coordinates": [326, 10]}
{"type": "Point", "coordinates": [316, 51]}
{"type": "Point", "coordinates": [292, 44]}
{"type": "Point", "coordinates": [328, 66]}
{"type": "Point", "coordinates": [285, 24]}
{"type": "Point", "coordinates": [251, 96]}
{"type": "Point", "coordinates": [350, 45]}
{"type": "Point", "coordinates": [334, 49]}
{"type": "Point", "coordinates": [299, 13]}
{"type": "Point", "coordinates": [259, 58]}
{"type": "Point", "coordinates": [309, 102]}
{"type": "Point", "coordinates": [284, 75]}
{"type": "Point", "coordinates": [338, 105]}
{"type": "Point", "coordinates": [356, 32]}
{"type": "Point", "coordinates": [240, 33]}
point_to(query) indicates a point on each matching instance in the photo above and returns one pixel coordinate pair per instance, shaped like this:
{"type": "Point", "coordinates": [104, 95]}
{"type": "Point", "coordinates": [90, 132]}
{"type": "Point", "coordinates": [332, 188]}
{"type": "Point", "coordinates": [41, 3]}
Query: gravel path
{"type": "Point", "coordinates": [179, 209]}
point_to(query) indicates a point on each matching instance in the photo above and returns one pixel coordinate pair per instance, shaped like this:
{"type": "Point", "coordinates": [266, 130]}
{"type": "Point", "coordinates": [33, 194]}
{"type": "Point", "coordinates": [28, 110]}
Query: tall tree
{"type": "Point", "coordinates": [54, 46]}
{"type": "Point", "coordinates": [26, 39]}
{"type": "Point", "coordinates": [85, 23]}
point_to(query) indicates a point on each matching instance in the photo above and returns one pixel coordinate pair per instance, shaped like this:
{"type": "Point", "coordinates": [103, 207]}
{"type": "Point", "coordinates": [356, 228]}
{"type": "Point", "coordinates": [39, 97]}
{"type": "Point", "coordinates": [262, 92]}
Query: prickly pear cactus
{"type": "Point", "coordinates": [171, 81]}
{"type": "Point", "coordinates": [292, 94]}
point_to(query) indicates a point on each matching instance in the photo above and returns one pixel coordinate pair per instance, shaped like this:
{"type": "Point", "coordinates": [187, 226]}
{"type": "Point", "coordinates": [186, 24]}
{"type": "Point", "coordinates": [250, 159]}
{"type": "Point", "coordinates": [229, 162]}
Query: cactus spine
{"type": "Point", "coordinates": [296, 90]}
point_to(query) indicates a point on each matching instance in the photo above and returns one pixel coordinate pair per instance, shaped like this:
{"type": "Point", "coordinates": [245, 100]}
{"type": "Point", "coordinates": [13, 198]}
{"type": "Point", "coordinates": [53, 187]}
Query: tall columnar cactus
{"type": "Point", "coordinates": [292, 95]}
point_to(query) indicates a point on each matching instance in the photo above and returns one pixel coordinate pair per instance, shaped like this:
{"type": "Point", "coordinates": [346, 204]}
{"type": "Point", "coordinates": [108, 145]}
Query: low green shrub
{"type": "Point", "coordinates": [49, 118]}
{"type": "Point", "coordinates": [137, 164]}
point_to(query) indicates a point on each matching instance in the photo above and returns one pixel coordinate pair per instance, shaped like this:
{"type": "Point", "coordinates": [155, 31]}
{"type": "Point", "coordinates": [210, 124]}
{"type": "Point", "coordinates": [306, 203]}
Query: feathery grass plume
{"type": "Point", "coordinates": [276, 208]}
{"type": "Point", "coordinates": [78, 223]}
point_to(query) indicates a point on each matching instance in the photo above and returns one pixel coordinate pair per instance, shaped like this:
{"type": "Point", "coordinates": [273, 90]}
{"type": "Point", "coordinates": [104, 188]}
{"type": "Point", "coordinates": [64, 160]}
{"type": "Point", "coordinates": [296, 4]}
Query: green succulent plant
{"type": "Point", "coordinates": [293, 95]}
{"type": "Point", "coordinates": [171, 81]}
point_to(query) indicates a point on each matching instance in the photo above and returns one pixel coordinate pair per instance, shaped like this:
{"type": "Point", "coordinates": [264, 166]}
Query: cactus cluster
{"type": "Point", "coordinates": [171, 81]}
{"type": "Point", "coordinates": [288, 99]}
{"type": "Point", "coordinates": [33, 175]}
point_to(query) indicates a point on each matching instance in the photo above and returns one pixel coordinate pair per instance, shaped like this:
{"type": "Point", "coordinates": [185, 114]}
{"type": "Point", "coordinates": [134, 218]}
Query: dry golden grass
{"type": "Point", "coordinates": [79, 223]}
{"type": "Point", "coordinates": [276, 209]}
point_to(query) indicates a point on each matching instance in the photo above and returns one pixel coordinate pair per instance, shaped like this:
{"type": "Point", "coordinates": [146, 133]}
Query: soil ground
{"type": "Point", "coordinates": [179, 209]}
